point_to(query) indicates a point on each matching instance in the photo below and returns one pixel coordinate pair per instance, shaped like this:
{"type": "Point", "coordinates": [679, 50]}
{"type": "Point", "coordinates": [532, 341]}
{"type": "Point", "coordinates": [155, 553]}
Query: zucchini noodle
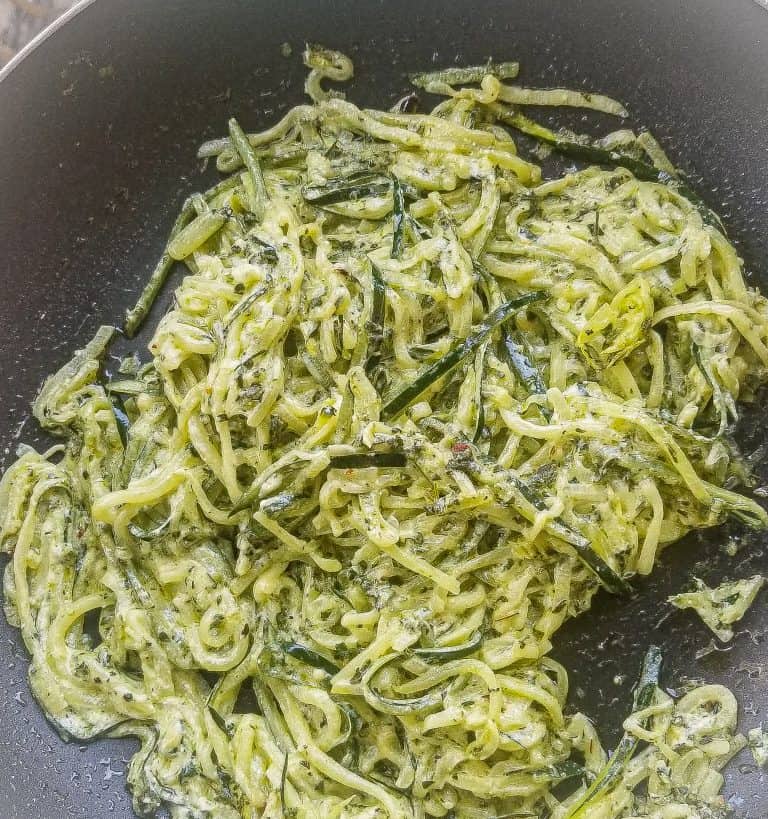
{"type": "Point", "coordinates": [411, 407]}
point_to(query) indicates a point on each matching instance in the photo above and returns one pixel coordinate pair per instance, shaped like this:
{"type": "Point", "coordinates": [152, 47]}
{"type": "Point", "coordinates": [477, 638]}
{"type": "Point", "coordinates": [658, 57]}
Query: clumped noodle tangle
{"type": "Point", "coordinates": [411, 407]}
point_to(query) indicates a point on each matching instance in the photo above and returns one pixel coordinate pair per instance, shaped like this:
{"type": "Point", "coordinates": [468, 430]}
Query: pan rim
{"type": "Point", "coordinates": [79, 7]}
{"type": "Point", "coordinates": [44, 35]}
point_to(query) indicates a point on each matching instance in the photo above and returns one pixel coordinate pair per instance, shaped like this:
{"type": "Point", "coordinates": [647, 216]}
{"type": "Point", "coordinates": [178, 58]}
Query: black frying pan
{"type": "Point", "coordinates": [98, 128]}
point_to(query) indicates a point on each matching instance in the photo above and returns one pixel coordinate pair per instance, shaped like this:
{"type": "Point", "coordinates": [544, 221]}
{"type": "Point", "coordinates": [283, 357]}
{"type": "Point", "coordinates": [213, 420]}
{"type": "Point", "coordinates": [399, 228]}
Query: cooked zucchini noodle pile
{"type": "Point", "coordinates": [412, 406]}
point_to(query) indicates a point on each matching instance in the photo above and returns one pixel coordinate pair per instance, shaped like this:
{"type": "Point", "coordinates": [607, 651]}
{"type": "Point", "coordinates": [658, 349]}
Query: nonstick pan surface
{"type": "Point", "coordinates": [99, 123]}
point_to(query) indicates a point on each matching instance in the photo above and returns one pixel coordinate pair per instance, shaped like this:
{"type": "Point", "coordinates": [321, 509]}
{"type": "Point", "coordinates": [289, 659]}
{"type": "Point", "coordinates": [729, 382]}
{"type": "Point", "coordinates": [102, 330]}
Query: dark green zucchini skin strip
{"type": "Point", "coordinates": [480, 419]}
{"type": "Point", "coordinates": [121, 419]}
{"type": "Point", "coordinates": [348, 189]}
{"type": "Point", "coordinates": [310, 657]}
{"type": "Point", "coordinates": [452, 652]}
{"type": "Point", "coordinates": [521, 364]}
{"type": "Point", "coordinates": [411, 705]}
{"type": "Point", "coordinates": [643, 697]}
{"type": "Point", "coordinates": [376, 324]}
{"type": "Point", "coordinates": [605, 574]}
{"type": "Point", "coordinates": [398, 219]}
{"type": "Point", "coordinates": [283, 777]}
{"type": "Point", "coordinates": [366, 460]}
{"type": "Point", "coordinates": [454, 357]}
{"type": "Point", "coordinates": [247, 302]}
{"type": "Point", "coordinates": [408, 705]}
{"type": "Point", "coordinates": [603, 156]}
{"type": "Point", "coordinates": [221, 723]}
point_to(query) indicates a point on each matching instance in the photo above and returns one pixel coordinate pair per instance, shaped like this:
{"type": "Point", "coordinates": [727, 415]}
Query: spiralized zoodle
{"type": "Point", "coordinates": [411, 407]}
